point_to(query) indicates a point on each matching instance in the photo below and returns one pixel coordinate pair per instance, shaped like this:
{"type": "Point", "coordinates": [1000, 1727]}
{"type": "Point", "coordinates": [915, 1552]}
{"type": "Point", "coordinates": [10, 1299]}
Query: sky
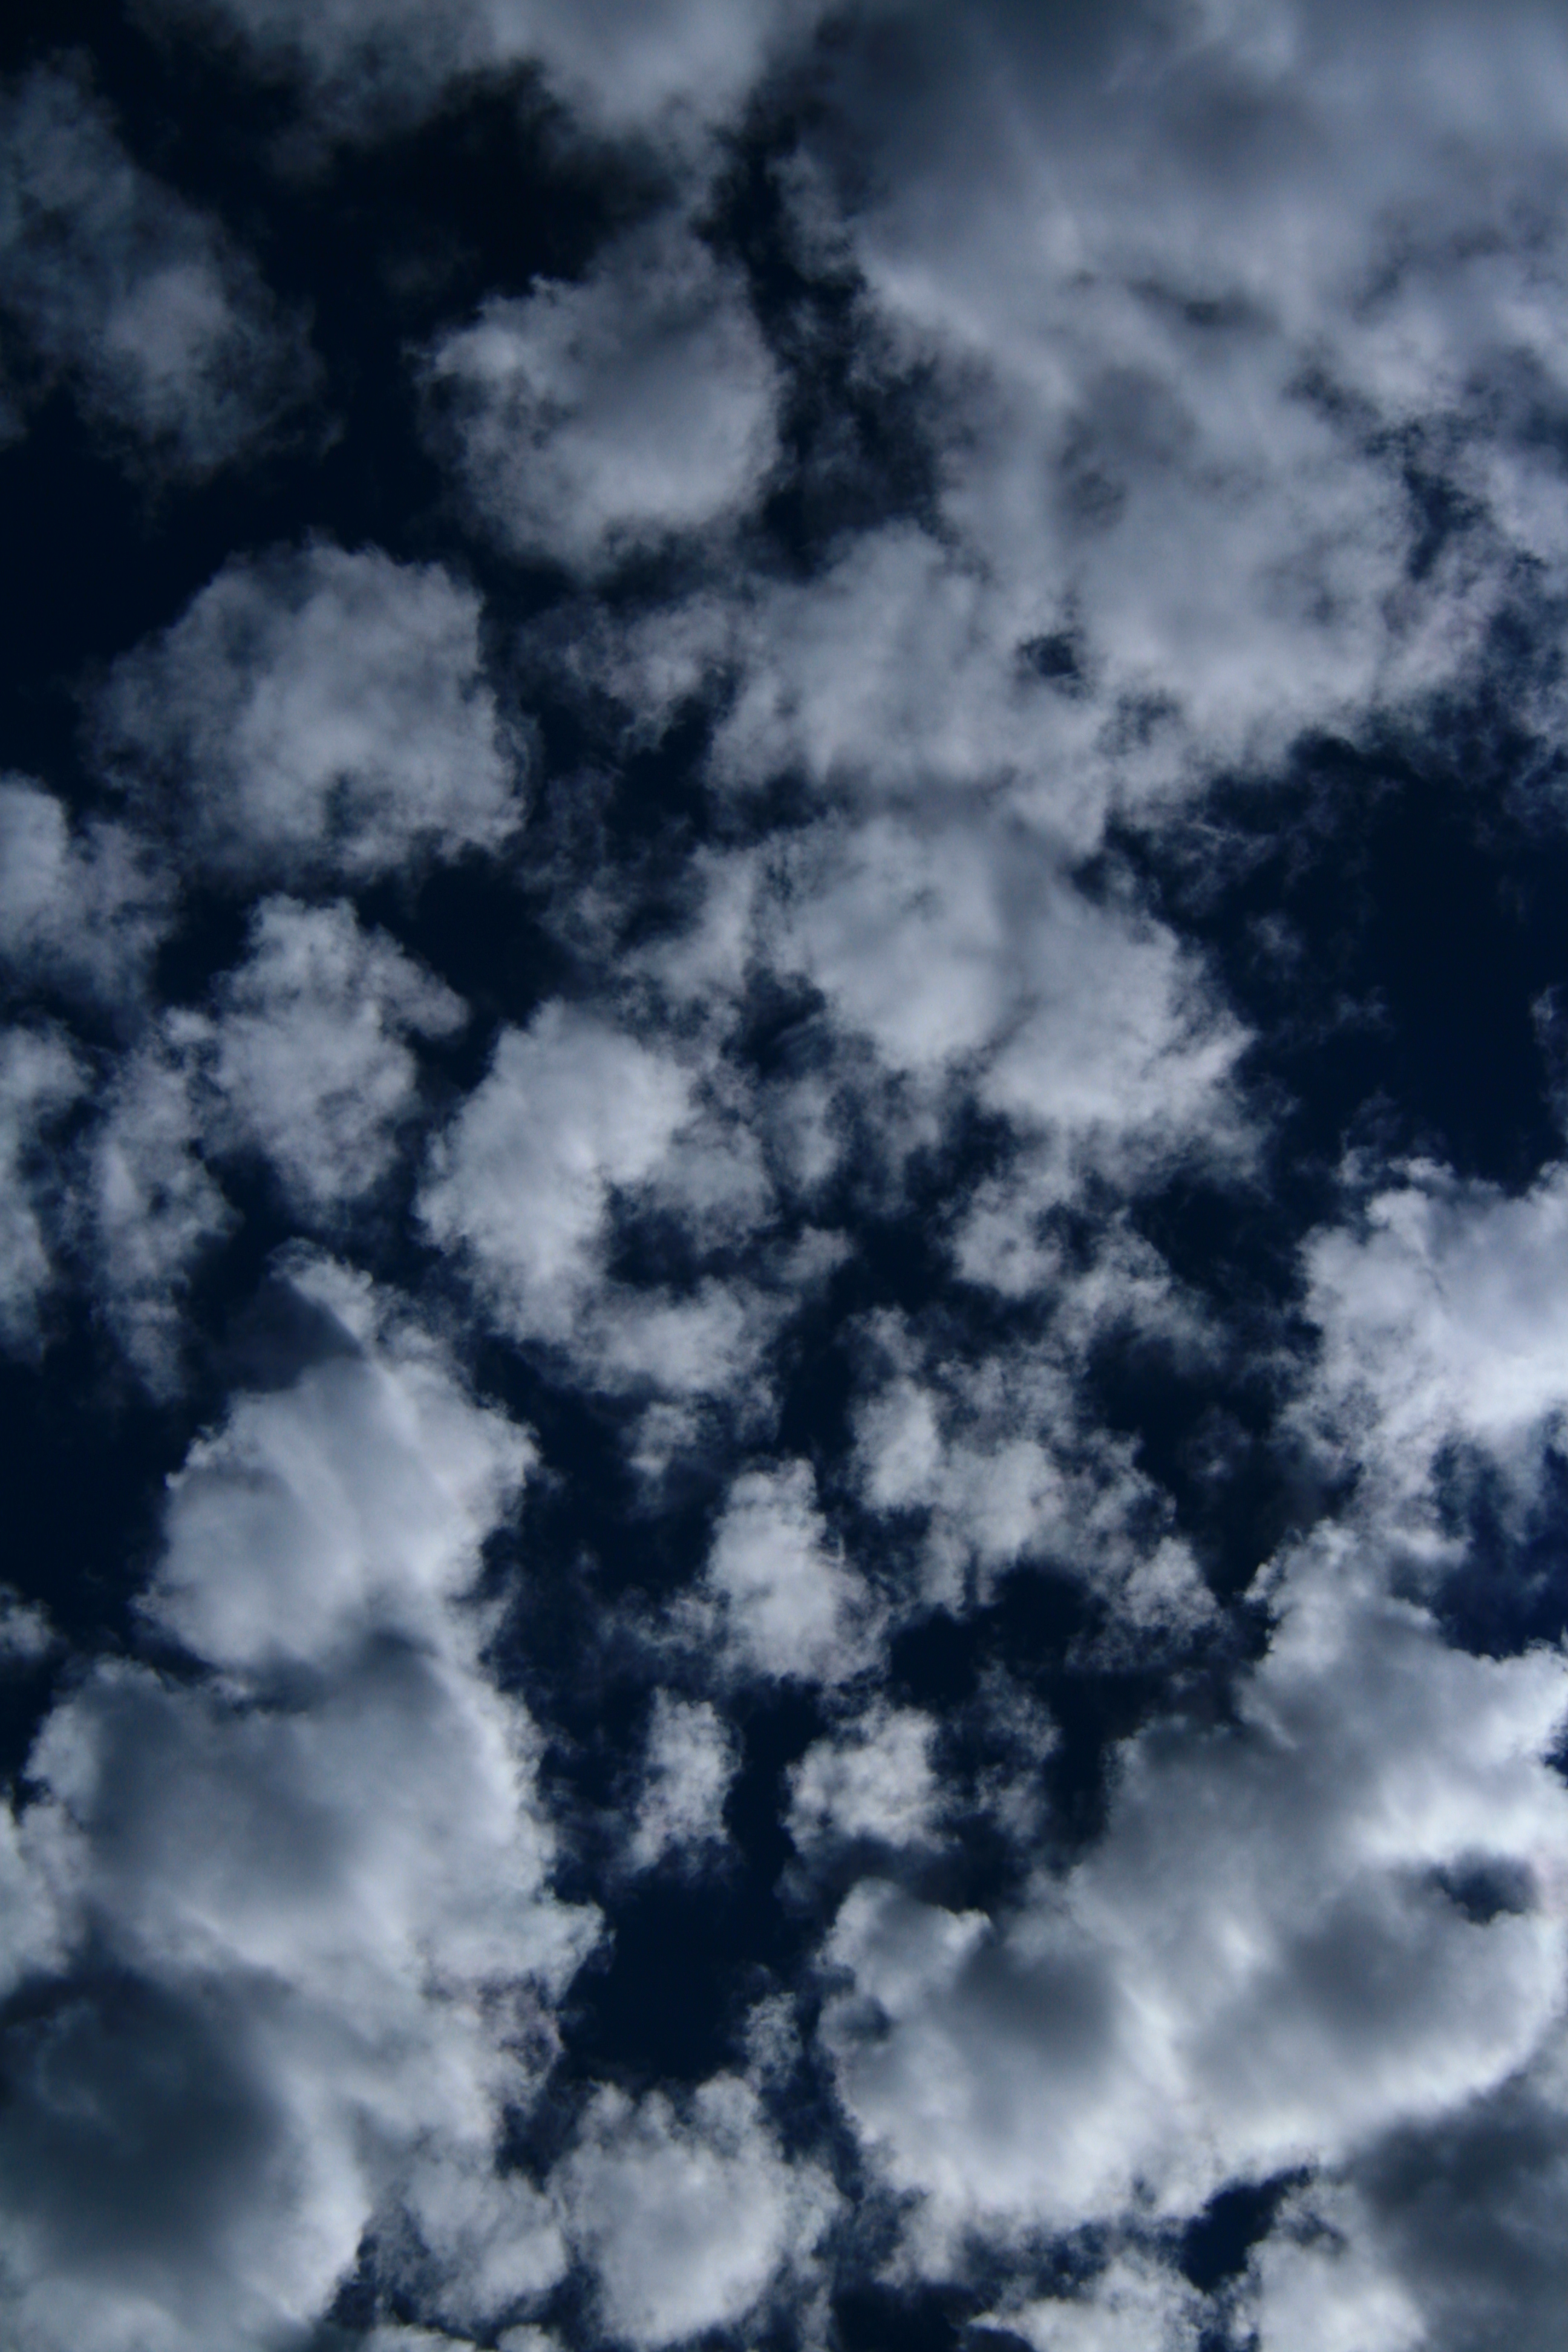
{"type": "Point", "coordinates": [784, 1203]}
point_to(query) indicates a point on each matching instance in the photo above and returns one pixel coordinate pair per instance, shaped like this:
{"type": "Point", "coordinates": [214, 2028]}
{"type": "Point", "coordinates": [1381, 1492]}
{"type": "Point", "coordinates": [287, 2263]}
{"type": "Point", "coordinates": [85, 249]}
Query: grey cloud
{"type": "Point", "coordinates": [305, 1059]}
{"type": "Point", "coordinates": [165, 330]}
{"type": "Point", "coordinates": [83, 908]}
{"type": "Point", "coordinates": [592, 420]}
{"type": "Point", "coordinates": [687, 2219]}
{"type": "Point", "coordinates": [1439, 1304]}
{"type": "Point", "coordinates": [691, 1759]}
{"type": "Point", "coordinates": [317, 713]}
{"type": "Point", "coordinates": [678, 64]}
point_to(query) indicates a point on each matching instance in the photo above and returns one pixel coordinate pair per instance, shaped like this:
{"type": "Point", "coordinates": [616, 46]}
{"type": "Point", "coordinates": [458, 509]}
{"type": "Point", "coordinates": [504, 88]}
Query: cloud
{"type": "Point", "coordinates": [83, 908]}
{"type": "Point", "coordinates": [164, 329]}
{"type": "Point", "coordinates": [303, 1941]}
{"type": "Point", "coordinates": [687, 2218]}
{"type": "Point", "coordinates": [317, 713]}
{"type": "Point", "coordinates": [691, 1759]}
{"type": "Point", "coordinates": [39, 1079]}
{"type": "Point", "coordinates": [876, 1781]}
{"type": "Point", "coordinates": [1441, 1312]}
{"type": "Point", "coordinates": [785, 1603]}
{"type": "Point", "coordinates": [1271, 1958]}
{"type": "Point", "coordinates": [522, 1183]}
{"type": "Point", "coordinates": [304, 1060]}
{"type": "Point", "coordinates": [1259, 267]}
{"type": "Point", "coordinates": [1134, 2305]}
{"type": "Point", "coordinates": [595, 419]}
{"type": "Point", "coordinates": [624, 68]}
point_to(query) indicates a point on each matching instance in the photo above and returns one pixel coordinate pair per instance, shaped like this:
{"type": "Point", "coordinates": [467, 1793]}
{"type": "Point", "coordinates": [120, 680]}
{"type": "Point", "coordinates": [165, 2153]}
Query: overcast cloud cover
{"type": "Point", "coordinates": [783, 1176]}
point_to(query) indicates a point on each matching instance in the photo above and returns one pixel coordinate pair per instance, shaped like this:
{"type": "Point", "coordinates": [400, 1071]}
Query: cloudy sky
{"type": "Point", "coordinates": [783, 1211]}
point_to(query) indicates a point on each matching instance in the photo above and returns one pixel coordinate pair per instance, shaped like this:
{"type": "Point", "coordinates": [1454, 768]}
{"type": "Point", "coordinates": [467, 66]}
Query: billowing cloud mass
{"type": "Point", "coordinates": [295, 1896]}
{"type": "Point", "coordinates": [784, 1235]}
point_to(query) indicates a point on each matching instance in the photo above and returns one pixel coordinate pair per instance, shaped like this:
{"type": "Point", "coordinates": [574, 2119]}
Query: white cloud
{"type": "Point", "coordinates": [691, 1761]}
{"type": "Point", "coordinates": [1443, 1314]}
{"type": "Point", "coordinates": [1319, 2286]}
{"type": "Point", "coordinates": [522, 1183]}
{"type": "Point", "coordinates": [84, 912]}
{"type": "Point", "coordinates": [786, 1604]}
{"type": "Point", "coordinates": [876, 1780]}
{"type": "Point", "coordinates": [303, 1937]}
{"type": "Point", "coordinates": [1134, 2306]}
{"type": "Point", "coordinates": [317, 712]}
{"type": "Point", "coordinates": [687, 2219]}
{"type": "Point", "coordinates": [164, 330]}
{"type": "Point", "coordinates": [305, 1057]}
{"type": "Point", "coordinates": [1268, 1961]}
{"type": "Point", "coordinates": [596, 418]}
{"type": "Point", "coordinates": [39, 1078]}
{"type": "Point", "coordinates": [961, 946]}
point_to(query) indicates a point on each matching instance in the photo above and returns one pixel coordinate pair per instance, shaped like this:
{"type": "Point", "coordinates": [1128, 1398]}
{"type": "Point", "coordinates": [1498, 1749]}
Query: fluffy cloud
{"type": "Point", "coordinates": [687, 2218]}
{"type": "Point", "coordinates": [84, 909]}
{"type": "Point", "coordinates": [1442, 1314]}
{"type": "Point", "coordinates": [304, 1060]}
{"type": "Point", "coordinates": [691, 1761]}
{"type": "Point", "coordinates": [164, 331]}
{"type": "Point", "coordinates": [522, 1183]}
{"type": "Point", "coordinates": [877, 1783]}
{"type": "Point", "coordinates": [1340, 1917]}
{"type": "Point", "coordinates": [39, 1078]}
{"type": "Point", "coordinates": [317, 713]}
{"type": "Point", "coordinates": [785, 1603]}
{"type": "Point", "coordinates": [1242, 265]}
{"type": "Point", "coordinates": [594, 419]}
{"type": "Point", "coordinates": [301, 1917]}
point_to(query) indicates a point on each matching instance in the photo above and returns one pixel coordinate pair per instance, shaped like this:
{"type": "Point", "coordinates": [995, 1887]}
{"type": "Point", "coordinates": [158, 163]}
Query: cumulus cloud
{"type": "Point", "coordinates": [1441, 1311]}
{"type": "Point", "coordinates": [39, 1078]}
{"type": "Point", "coordinates": [691, 1759]}
{"type": "Point", "coordinates": [304, 1060]}
{"type": "Point", "coordinates": [687, 2218]}
{"type": "Point", "coordinates": [301, 1924]}
{"type": "Point", "coordinates": [81, 909]}
{"type": "Point", "coordinates": [317, 713]}
{"type": "Point", "coordinates": [164, 331]}
{"type": "Point", "coordinates": [595, 419]}
{"type": "Point", "coordinates": [1340, 1917]}
{"type": "Point", "coordinates": [876, 1781]}
{"type": "Point", "coordinates": [784, 1602]}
